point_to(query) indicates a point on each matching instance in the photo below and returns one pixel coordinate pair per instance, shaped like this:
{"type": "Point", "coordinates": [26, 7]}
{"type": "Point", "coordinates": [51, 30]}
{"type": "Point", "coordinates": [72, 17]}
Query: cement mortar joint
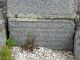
{"type": "Point", "coordinates": [34, 16]}
{"type": "Point", "coordinates": [29, 19]}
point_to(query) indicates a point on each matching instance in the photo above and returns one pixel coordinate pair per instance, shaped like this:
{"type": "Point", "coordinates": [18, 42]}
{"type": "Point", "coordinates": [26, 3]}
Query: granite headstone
{"type": "Point", "coordinates": [41, 8]}
{"type": "Point", "coordinates": [54, 34]}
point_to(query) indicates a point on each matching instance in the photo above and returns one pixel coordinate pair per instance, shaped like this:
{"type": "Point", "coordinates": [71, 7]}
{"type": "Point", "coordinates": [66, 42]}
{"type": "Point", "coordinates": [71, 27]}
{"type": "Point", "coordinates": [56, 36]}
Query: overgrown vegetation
{"type": "Point", "coordinates": [29, 43]}
{"type": "Point", "coordinates": [7, 53]}
{"type": "Point", "coordinates": [10, 42]}
{"type": "Point", "coordinates": [7, 50]}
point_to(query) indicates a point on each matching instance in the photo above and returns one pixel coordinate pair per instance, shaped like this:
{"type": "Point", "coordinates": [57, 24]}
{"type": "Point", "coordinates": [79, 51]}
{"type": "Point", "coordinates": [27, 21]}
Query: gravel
{"type": "Point", "coordinates": [41, 54]}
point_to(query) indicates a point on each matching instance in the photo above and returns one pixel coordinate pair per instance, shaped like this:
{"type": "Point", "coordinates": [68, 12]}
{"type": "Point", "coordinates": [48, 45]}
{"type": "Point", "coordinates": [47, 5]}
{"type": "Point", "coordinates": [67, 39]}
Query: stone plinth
{"type": "Point", "coordinates": [54, 34]}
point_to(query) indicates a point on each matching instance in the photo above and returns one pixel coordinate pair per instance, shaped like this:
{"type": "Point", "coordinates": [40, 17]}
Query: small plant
{"type": "Point", "coordinates": [10, 42]}
{"type": "Point", "coordinates": [29, 44]}
{"type": "Point", "coordinates": [7, 53]}
{"type": "Point", "coordinates": [7, 50]}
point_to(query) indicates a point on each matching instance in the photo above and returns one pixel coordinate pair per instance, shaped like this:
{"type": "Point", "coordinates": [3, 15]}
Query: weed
{"type": "Point", "coordinates": [7, 53]}
{"type": "Point", "coordinates": [10, 42]}
{"type": "Point", "coordinates": [29, 44]}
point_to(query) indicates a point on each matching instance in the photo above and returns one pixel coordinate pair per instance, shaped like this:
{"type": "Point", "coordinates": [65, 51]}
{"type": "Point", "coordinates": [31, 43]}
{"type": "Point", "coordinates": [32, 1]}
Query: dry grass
{"type": "Point", "coordinates": [29, 43]}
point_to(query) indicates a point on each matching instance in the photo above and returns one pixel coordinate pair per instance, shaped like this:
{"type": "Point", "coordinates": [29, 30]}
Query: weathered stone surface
{"type": "Point", "coordinates": [77, 38]}
{"type": "Point", "coordinates": [2, 34]}
{"type": "Point", "coordinates": [54, 34]}
{"type": "Point", "coordinates": [77, 52]}
{"type": "Point", "coordinates": [1, 4]}
{"type": "Point", "coordinates": [3, 0]}
{"type": "Point", "coordinates": [77, 42]}
{"type": "Point", "coordinates": [78, 7]}
{"type": "Point", "coordinates": [41, 8]}
{"type": "Point", "coordinates": [1, 15]}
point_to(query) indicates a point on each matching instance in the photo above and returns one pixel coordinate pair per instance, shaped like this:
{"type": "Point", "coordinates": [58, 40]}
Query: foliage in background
{"type": "Point", "coordinates": [29, 44]}
{"type": "Point", "coordinates": [7, 53]}
{"type": "Point", "coordinates": [10, 42]}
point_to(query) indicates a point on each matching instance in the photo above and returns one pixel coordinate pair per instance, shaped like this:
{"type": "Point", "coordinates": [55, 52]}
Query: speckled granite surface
{"type": "Point", "coordinates": [55, 34]}
{"type": "Point", "coordinates": [41, 8]}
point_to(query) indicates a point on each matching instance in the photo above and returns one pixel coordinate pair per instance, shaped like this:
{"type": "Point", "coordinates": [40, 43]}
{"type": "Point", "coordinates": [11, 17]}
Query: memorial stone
{"type": "Point", "coordinates": [41, 8]}
{"type": "Point", "coordinates": [54, 34]}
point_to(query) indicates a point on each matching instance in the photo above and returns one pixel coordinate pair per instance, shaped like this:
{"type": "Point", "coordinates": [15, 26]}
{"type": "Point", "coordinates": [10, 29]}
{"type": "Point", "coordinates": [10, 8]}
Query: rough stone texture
{"type": "Point", "coordinates": [54, 34]}
{"type": "Point", "coordinates": [1, 15]}
{"type": "Point", "coordinates": [41, 8]}
{"type": "Point", "coordinates": [78, 7]}
{"type": "Point", "coordinates": [2, 3]}
{"type": "Point", "coordinates": [3, 0]}
{"type": "Point", "coordinates": [2, 34]}
{"type": "Point", "coordinates": [77, 42]}
{"type": "Point", "coordinates": [77, 52]}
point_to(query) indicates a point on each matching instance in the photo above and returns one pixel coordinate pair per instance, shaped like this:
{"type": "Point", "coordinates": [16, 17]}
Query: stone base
{"type": "Point", "coordinates": [54, 34]}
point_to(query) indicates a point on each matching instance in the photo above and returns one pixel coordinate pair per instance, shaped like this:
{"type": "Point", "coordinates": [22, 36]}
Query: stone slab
{"type": "Point", "coordinates": [54, 34]}
{"type": "Point", "coordinates": [41, 8]}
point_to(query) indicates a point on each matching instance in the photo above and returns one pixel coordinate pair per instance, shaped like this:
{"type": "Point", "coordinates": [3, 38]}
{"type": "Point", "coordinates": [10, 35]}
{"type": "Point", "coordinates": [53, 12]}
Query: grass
{"type": "Point", "coordinates": [10, 42]}
{"type": "Point", "coordinates": [0, 56]}
{"type": "Point", "coordinates": [7, 53]}
{"type": "Point", "coordinates": [29, 43]}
